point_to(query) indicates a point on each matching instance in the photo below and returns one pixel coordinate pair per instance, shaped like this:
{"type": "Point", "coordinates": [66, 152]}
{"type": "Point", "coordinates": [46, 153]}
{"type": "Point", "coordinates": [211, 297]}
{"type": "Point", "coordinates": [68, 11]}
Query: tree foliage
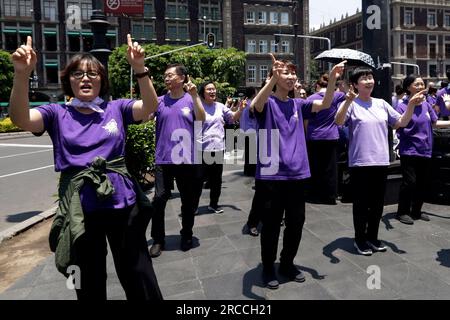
{"type": "Point", "coordinates": [224, 66]}
{"type": "Point", "coordinates": [6, 75]}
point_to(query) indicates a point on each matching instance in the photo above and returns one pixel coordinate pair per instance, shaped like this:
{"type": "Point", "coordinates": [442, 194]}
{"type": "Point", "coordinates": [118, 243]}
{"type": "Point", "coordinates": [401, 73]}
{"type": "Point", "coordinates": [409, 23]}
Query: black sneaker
{"type": "Point", "coordinates": [292, 272]}
{"type": "Point", "coordinates": [423, 217]}
{"type": "Point", "coordinates": [156, 249]}
{"type": "Point", "coordinates": [186, 244]}
{"type": "Point", "coordinates": [363, 248]}
{"type": "Point", "coordinates": [269, 278]}
{"type": "Point", "coordinates": [404, 218]}
{"type": "Point", "coordinates": [215, 209]}
{"type": "Point", "coordinates": [377, 245]}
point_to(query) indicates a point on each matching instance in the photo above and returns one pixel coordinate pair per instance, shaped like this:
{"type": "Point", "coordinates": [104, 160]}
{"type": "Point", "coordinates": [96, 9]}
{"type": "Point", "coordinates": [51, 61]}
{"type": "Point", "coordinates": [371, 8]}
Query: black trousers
{"type": "Point", "coordinates": [125, 231]}
{"type": "Point", "coordinates": [211, 171]}
{"type": "Point", "coordinates": [254, 217]}
{"type": "Point", "coordinates": [416, 172]}
{"type": "Point", "coordinates": [322, 156]}
{"type": "Point", "coordinates": [278, 197]}
{"type": "Point", "coordinates": [188, 179]}
{"type": "Point", "coordinates": [249, 159]}
{"type": "Point", "coordinates": [368, 185]}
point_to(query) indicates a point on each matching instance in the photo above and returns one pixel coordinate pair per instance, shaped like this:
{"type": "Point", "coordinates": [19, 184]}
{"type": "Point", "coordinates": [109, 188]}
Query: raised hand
{"type": "Point", "coordinates": [277, 67]}
{"type": "Point", "coordinates": [243, 104]}
{"type": "Point", "coordinates": [446, 98]}
{"type": "Point", "coordinates": [338, 69]}
{"type": "Point", "coordinates": [135, 55]}
{"type": "Point", "coordinates": [351, 94]}
{"type": "Point", "coordinates": [190, 87]}
{"type": "Point", "coordinates": [24, 58]}
{"type": "Point", "coordinates": [419, 97]}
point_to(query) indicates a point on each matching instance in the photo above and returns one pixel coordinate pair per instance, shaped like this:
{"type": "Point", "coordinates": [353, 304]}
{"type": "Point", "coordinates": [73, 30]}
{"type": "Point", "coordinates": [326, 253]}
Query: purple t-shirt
{"type": "Point", "coordinates": [247, 121]}
{"type": "Point", "coordinates": [368, 132]}
{"type": "Point", "coordinates": [175, 130]}
{"type": "Point", "coordinates": [213, 133]}
{"type": "Point", "coordinates": [282, 120]}
{"type": "Point", "coordinates": [79, 138]}
{"type": "Point", "coordinates": [444, 112]}
{"type": "Point", "coordinates": [321, 125]}
{"type": "Point", "coordinates": [416, 139]}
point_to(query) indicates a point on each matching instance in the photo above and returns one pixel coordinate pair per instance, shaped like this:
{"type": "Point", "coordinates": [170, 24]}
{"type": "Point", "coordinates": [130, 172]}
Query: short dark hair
{"type": "Point", "coordinates": [359, 72]}
{"type": "Point", "coordinates": [73, 65]}
{"type": "Point", "coordinates": [323, 81]}
{"type": "Point", "coordinates": [201, 91]}
{"type": "Point", "coordinates": [399, 90]}
{"type": "Point", "coordinates": [180, 69]}
{"type": "Point", "coordinates": [408, 81]}
{"type": "Point", "coordinates": [289, 64]}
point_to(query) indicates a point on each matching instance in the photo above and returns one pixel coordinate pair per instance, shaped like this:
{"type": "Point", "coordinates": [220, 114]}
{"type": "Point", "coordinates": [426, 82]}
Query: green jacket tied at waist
{"type": "Point", "coordinates": [68, 224]}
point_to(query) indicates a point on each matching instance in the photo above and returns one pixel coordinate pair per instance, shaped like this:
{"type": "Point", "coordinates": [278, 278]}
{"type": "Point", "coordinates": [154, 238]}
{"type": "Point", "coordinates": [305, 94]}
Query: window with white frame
{"type": "Point", "coordinates": [262, 46]}
{"type": "Point", "coordinates": [50, 9]}
{"type": "Point", "coordinates": [274, 18]}
{"type": "Point", "coordinates": [344, 34]}
{"type": "Point", "coordinates": [86, 9]}
{"type": "Point", "coordinates": [177, 9]}
{"type": "Point", "coordinates": [273, 46]}
{"type": "Point", "coordinates": [432, 46]}
{"type": "Point", "coordinates": [251, 46]}
{"type": "Point", "coordinates": [447, 18]}
{"type": "Point", "coordinates": [263, 72]}
{"type": "Point", "coordinates": [177, 30]}
{"type": "Point", "coordinates": [251, 73]}
{"type": "Point", "coordinates": [149, 9]}
{"type": "Point", "coordinates": [250, 17]}
{"type": "Point", "coordinates": [432, 70]}
{"type": "Point", "coordinates": [262, 17]}
{"type": "Point", "coordinates": [25, 8]}
{"type": "Point", "coordinates": [284, 18]}
{"type": "Point", "coordinates": [409, 17]}
{"type": "Point", "coordinates": [359, 30]}
{"type": "Point", "coordinates": [409, 45]}
{"type": "Point", "coordinates": [143, 30]}
{"type": "Point", "coordinates": [431, 18]}
{"type": "Point", "coordinates": [285, 46]}
{"type": "Point", "coordinates": [10, 8]}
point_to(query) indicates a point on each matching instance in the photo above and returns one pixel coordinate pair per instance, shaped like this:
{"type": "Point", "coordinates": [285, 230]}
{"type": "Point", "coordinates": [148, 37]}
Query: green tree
{"type": "Point", "coordinates": [6, 75]}
{"type": "Point", "coordinates": [224, 66]}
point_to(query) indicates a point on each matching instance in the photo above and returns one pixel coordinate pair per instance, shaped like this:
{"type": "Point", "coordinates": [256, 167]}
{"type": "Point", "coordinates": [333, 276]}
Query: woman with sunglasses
{"type": "Point", "coordinates": [98, 199]}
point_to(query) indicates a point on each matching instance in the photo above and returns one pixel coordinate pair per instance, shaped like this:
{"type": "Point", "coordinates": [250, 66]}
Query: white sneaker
{"type": "Point", "coordinates": [215, 209]}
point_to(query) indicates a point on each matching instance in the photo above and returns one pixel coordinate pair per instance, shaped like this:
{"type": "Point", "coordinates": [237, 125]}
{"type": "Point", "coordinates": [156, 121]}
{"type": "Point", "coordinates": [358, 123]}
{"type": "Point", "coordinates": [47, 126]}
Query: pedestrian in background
{"type": "Point", "coordinates": [367, 119]}
{"type": "Point", "coordinates": [443, 101]}
{"type": "Point", "coordinates": [280, 181]}
{"type": "Point", "coordinates": [415, 149]}
{"type": "Point", "coordinates": [98, 199]}
{"type": "Point", "coordinates": [176, 112]}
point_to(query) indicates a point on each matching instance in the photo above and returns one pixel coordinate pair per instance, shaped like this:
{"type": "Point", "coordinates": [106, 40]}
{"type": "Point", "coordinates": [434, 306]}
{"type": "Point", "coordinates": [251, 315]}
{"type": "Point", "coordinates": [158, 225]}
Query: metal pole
{"type": "Point", "coordinates": [408, 64]}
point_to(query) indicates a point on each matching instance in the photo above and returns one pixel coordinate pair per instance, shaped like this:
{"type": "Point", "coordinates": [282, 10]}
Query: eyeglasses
{"type": "Point", "coordinates": [80, 74]}
{"type": "Point", "coordinates": [169, 75]}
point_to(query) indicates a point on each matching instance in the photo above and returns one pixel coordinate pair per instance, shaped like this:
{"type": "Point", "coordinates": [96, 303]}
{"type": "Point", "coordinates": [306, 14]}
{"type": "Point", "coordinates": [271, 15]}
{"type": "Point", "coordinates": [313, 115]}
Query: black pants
{"type": "Point", "coordinates": [416, 172]}
{"type": "Point", "coordinates": [278, 197]}
{"type": "Point", "coordinates": [323, 164]}
{"type": "Point", "coordinates": [254, 217]}
{"type": "Point", "coordinates": [368, 185]}
{"type": "Point", "coordinates": [188, 179]}
{"type": "Point", "coordinates": [250, 159]}
{"type": "Point", "coordinates": [125, 231]}
{"type": "Point", "coordinates": [211, 171]}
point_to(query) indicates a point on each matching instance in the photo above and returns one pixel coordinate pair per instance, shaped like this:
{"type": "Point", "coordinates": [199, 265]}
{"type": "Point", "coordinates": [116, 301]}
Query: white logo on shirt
{"type": "Point", "coordinates": [111, 128]}
{"type": "Point", "coordinates": [186, 111]}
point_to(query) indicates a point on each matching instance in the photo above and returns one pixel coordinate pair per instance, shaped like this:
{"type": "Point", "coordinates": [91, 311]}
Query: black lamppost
{"type": "Point", "coordinates": [99, 26]}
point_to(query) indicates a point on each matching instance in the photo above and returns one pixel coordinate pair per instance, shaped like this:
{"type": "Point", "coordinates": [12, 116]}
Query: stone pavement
{"type": "Point", "coordinates": [225, 261]}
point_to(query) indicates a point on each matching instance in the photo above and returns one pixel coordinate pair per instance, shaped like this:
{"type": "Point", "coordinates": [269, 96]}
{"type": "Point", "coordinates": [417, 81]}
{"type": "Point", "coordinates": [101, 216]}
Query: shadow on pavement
{"type": "Point", "coordinates": [19, 217]}
{"type": "Point", "coordinates": [443, 256]}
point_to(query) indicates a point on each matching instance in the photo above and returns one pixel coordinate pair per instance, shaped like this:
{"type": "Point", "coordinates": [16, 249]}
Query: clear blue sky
{"type": "Point", "coordinates": [324, 10]}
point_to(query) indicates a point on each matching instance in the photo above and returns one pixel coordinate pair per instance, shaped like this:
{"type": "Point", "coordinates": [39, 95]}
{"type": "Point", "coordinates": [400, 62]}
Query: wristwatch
{"type": "Point", "coordinates": [142, 74]}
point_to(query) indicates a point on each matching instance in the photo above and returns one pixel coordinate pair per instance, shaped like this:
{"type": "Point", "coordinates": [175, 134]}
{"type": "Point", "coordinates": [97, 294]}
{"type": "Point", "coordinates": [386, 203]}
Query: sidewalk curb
{"type": "Point", "coordinates": [10, 135]}
{"type": "Point", "coordinates": [24, 225]}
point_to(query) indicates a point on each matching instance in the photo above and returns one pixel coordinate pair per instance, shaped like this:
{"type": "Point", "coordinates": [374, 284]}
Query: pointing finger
{"type": "Point", "coordinates": [273, 58]}
{"type": "Point", "coordinates": [29, 42]}
{"type": "Point", "coordinates": [129, 40]}
{"type": "Point", "coordinates": [188, 78]}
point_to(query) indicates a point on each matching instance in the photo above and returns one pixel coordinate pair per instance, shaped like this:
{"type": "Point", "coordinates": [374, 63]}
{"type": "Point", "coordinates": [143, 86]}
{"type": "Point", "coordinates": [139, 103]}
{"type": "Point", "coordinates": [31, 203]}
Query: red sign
{"type": "Point", "coordinates": [129, 7]}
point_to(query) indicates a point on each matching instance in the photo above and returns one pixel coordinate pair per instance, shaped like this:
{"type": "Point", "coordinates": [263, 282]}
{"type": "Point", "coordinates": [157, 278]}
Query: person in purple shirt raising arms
{"type": "Point", "coordinates": [283, 166]}
{"type": "Point", "coordinates": [98, 199]}
{"type": "Point", "coordinates": [322, 140]}
{"type": "Point", "coordinates": [367, 119]}
{"type": "Point", "coordinates": [415, 149]}
{"type": "Point", "coordinates": [212, 141]}
{"type": "Point", "coordinates": [175, 154]}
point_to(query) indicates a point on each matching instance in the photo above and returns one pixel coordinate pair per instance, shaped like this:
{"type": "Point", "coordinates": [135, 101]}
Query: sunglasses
{"type": "Point", "coordinates": [80, 74]}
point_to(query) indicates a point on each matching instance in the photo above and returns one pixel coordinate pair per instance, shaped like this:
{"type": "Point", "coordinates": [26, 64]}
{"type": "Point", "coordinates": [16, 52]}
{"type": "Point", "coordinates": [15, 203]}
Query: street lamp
{"type": "Point", "coordinates": [204, 27]}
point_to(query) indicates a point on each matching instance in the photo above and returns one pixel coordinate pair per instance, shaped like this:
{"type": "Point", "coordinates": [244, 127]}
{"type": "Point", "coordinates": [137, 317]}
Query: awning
{"type": "Point", "coordinates": [51, 64]}
{"type": "Point", "coordinates": [25, 31]}
{"type": "Point", "coordinates": [9, 30]}
{"type": "Point", "coordinates": [48, 32]}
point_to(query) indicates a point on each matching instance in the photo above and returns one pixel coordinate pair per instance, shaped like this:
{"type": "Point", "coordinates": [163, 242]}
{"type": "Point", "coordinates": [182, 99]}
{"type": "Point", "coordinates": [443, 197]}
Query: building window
{"type": "Point", "coordinates": [274, 18]}
{"type": "Point", "coordinates": [25, 8]}
{"type": "Point", "coordinates": [50, 10]}
{"type": "Point", "coordinates": [143, 30]}
{"type": "Point", "coordinates": [177, 31]}
{"type": "Point", "coordinates": [409, 17]}
{"type": "Point", "coordinates": [74, 42]}
{"type": "Point", "coordinates": [176, 9]}
{"type": "Point", "coordinates": [344, 34]}
{"type": "Point", "coordinates": [86, 9]}
{"type": "Point", "coordinates": [285, 18]}
{"type": "Point", "coordinates": [332, 38]}
{"type": "Point", "coordinates": [148, 9]}
{"type": "Point", "coordinates": [321, 45]}
{"type": "Point", "coordinates": [262, 17]}
{"type": "Point", "coordinates": [447, 47]}
{"type": "Point", "coordinates": [431, 18]}
{"type": "Point", "coordinates": [251, 46]}
{"type": "Point", "coordinates": [359, 30]}
{"type": "Point", "coordinates": [410, 70]}
{"type": "Point", "coordinates": [50, 41]}
{"type": "Point", "coordinates": [262, 46]}
{"type": "Point", "coordinates": [11, 42]}
{"type": "Point", "coordinates": [10, 8]}
{"type": "Point", "coordinates": [251, 73]}
{"type": "Point", "coordinates": [285, 47]}
{"type": "Point", "coordinates": [447, 19]}
{"type": "Point", "coordinates": [273, 46]}
{"type": "Point", "coordinates": [250, 17]}
{"type": "Point", "coordinates": [409, 44]}
{"type": "Point", "coordinates": [432, 47]}
{"type": "Point", "coordinates": [432, 70]}
{"type": "Point", "coordinates": [263, 72]}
